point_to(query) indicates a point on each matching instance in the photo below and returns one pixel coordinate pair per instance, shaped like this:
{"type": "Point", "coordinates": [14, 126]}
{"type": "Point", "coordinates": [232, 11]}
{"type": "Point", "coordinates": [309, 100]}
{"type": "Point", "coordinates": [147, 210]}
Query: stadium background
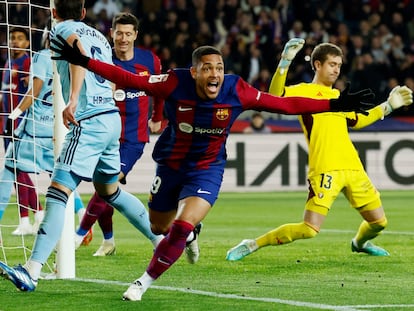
{"type": "Point", "coordinates": [376, 36]}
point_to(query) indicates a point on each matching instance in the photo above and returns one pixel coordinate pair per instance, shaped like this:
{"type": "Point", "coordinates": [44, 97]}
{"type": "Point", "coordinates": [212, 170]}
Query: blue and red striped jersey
{"type": "Point", "coordinates": [13, 85]}
{"type": "Point", "coordinates": [134, 104]}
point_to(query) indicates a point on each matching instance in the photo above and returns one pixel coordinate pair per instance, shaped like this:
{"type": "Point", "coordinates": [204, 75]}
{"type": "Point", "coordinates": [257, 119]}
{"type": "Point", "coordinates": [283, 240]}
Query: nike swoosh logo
{"type": "Point", "coordinates": [180, 108]}
{"type": "Point", "coordinates": [203, 191]}
{"type": "Point", "coordinates": [162, 261]}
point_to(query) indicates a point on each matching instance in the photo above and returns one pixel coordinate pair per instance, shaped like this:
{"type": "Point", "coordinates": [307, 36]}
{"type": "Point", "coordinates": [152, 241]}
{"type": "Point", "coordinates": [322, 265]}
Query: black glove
{"type": "Point", "coordinates": [8, 131]}
{"type": "Point", "coordinates": [358, 102]}
{"type": "Point", "coordinates": [68, 53]}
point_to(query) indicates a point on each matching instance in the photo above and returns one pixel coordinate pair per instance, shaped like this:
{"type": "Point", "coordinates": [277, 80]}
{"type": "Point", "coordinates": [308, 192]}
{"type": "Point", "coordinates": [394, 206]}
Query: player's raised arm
{"type": "Point", "coordinates": [292, 47]}
{"type": "Point", "coordinates": [155, 85]}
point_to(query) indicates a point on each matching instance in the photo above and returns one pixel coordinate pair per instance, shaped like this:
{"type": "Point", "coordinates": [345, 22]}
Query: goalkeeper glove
{"type": "Point", "coordinates": [399, 96]}
{"type": "Point", "coordinates": [71, 54]}
{"type": "Point", "coordinates": [358, 102]}
{"type": "Point", "coordinates": [292, 47]}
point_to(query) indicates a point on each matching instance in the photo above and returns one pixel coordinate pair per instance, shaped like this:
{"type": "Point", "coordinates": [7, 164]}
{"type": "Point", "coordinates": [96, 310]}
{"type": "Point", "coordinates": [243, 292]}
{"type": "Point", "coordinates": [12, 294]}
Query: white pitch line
{"type": "Point", "coordinates": [384, 232]}
{"type": "Point", "coordinates": [261, 299]}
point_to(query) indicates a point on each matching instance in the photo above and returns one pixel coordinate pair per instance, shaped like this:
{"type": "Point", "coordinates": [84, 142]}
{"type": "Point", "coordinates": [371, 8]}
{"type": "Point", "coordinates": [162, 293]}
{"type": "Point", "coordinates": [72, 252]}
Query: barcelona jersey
{"type": "Point", "coordinates": [134, 104]}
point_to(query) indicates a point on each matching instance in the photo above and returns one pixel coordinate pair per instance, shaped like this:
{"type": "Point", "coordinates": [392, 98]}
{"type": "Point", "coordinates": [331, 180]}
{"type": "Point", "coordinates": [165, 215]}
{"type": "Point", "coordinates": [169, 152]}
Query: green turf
{"type": "Point", "coordinates": [317, 274]}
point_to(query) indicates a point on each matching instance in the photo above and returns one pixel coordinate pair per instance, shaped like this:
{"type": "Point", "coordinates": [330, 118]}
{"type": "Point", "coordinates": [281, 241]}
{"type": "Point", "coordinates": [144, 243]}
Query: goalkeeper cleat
{"type": "Point", "coordinates": [134, 292]}
{"type": "Point", "coordinates": [106, 249]}
{"type": "Point", "coordinates": [192, 250]}
{"type": "Point", "coordinates": [23, 229]}
{"type": "Point", "coordinates": [87, 238]}
{"type": "Point", "coordinates": [369, 248]}
{"type": "Point", "coordinates": [19, 277]}
{"type": "Point", "coordinates": [244, 248]}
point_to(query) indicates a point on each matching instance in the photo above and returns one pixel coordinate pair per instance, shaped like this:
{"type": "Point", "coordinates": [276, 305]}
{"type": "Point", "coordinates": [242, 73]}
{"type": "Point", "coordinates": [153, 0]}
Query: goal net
{"type": "Point", "coordinates": [23, 177]}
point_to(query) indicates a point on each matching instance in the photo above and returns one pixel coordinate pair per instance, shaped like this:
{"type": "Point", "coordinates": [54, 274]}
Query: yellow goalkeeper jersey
{"type": "Point", "coordinates": [330, 147]}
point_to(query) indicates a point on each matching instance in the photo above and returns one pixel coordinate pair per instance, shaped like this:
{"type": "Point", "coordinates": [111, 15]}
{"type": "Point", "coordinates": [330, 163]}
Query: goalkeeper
{"type": "Point", "coordinates": [334, 164]}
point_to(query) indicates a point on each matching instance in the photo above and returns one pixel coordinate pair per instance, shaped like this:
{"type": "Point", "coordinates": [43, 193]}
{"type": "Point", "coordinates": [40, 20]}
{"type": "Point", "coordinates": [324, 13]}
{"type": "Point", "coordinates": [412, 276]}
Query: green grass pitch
{"type": "Point", "coordinates": [316, 274]}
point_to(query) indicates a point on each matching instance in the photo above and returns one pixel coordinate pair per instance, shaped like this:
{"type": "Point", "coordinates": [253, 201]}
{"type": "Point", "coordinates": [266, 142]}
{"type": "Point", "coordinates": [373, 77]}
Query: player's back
{"type": "Point", "coordinates": [96, 93]}
{"type": "Point", "coordinates": [40, 116]}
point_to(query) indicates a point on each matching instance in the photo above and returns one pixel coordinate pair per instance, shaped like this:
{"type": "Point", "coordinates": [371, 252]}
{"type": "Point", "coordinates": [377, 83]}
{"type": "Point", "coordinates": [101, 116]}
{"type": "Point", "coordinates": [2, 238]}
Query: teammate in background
{"type": "Point", "coordinates": [201, 105]}
{"type": "Point", "coordinates": [334, 164]}
{"type": "Point", "coordinates": [134, 107]}
{"type": "Point", "coordinates": [14, 85]}
{"type": "Point", "coordinates": [26, 154]}
{"type": "Point", "coordinates": [90, 150]}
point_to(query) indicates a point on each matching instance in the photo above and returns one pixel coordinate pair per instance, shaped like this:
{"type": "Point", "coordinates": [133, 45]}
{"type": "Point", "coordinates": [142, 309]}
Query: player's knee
{"type": "Point", "coordinates": [56, 195]}
{"type": "Point", "coordinates": [379, 225]}
{"type": "Point", "coordinates": [110, 199]}
{"type": "Point", "coordinates": [158, 229]}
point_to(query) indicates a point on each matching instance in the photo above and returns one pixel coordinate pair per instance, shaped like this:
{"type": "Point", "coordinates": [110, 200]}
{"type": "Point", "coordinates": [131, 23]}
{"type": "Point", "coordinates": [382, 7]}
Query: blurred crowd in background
{"type": "Point", "coordinates": [376, 36]}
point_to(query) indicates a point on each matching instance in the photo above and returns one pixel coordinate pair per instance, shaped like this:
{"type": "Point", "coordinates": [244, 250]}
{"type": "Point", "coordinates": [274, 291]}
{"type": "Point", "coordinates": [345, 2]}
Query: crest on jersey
{"type": "Point", "coordinates": [143, 73]}
{"type": "Point", "coordinates": [222, 114]}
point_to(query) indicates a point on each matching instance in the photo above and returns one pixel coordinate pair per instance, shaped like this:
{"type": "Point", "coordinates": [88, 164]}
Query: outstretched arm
{"type": "Point", "coordinates": [155, 85]}
{"type": "Point", "coordinates": [398, 97]}
{"type": "Point", "coordinates": [347, 101]}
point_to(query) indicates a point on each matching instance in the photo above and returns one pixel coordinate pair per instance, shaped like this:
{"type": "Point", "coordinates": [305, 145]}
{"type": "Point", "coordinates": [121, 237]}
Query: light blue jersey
{"type": "Point", "coordinates": [39, 118]}
{"type": "Point", "coordinates": [96, 93]}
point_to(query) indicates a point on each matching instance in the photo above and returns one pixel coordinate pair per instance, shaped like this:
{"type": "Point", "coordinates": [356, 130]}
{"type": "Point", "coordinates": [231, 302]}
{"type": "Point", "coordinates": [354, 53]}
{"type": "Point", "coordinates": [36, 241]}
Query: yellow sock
{"type": "Point", "coordinates": [286, 233]}
{"type": "Point", "coordinates": [369, 230]}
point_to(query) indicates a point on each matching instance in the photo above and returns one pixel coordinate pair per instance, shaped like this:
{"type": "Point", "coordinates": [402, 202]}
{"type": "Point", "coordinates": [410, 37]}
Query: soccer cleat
{"type": "Point", "coordinates": [23, 229]}
{"type": "Point", "coordinates": [369, 249]}
{"type": "Point", "coordinates": [244, 248]}
{"type": "Point", "coordinates": [134, 292]}
{"type": "Point", "coordinates": [106, 249]}
{"type": "Point", "coordinates": [87, 238]}
{"type": "Point", "coordinates": [192, 250]}
{"type": "Point", "coordinates": [19, 277]}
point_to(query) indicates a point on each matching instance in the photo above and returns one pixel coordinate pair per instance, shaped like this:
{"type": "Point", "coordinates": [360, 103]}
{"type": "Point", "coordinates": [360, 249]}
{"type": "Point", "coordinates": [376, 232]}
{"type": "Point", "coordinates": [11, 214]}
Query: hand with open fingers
{"type": "Point", "coordinates": [68, 53]}
{"type": "Point", "coordinates": [400, 96]}
{"type": "Point", "coordinates": [359, 101]}
{"type": "Point", "coordinates": [292, 47]}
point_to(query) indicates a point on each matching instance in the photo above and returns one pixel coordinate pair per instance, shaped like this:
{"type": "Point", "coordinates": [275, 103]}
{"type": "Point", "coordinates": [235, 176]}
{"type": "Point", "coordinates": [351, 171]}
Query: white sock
{"type": "Point", "coordinates": [146, 280]}
{"type": "Point", "coordinates": [25, 221]}
{"type": "Point", "coordinates": [34, 268]}
{"type": "Point", "coordinates": [39, 215]}
{"type": "Point", "coordinates": [110, 240]}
